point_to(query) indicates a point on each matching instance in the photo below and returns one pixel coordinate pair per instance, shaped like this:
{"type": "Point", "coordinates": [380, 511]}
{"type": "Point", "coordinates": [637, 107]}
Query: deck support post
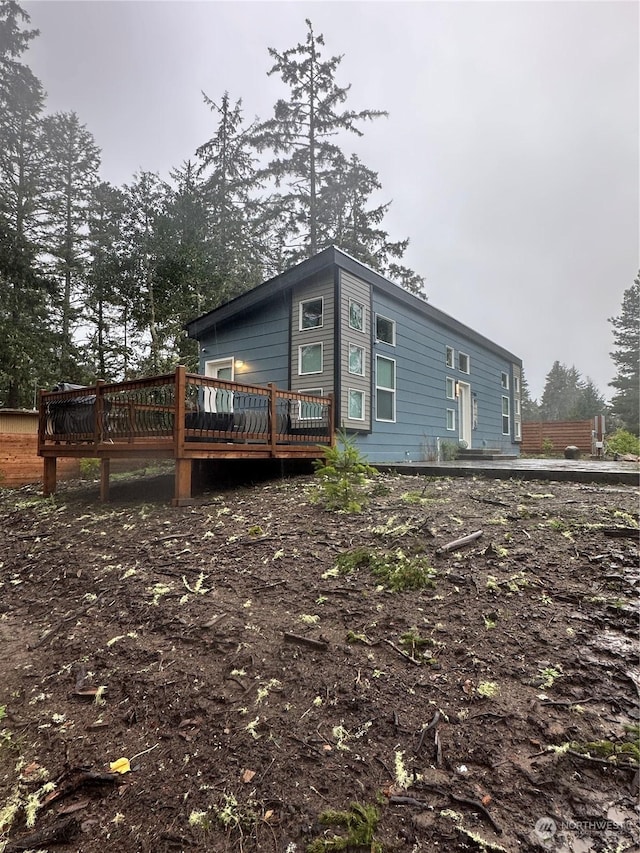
{"type": "Point", "coordinates": [182, 493]}
{"type": "Point", "coordinates": [273, 417]}
{"type": "Point", "coordinates": [105, 470]}
{"type": "Point", "coordinates": [49, 476]}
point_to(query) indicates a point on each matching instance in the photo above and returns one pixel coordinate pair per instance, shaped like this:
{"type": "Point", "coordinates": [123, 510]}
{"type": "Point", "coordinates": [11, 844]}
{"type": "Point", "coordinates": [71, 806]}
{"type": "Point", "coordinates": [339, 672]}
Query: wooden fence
{"type": "Point", "coordinates": [561, 434]}
{"type": "Point", "coordinates": [19, 460]}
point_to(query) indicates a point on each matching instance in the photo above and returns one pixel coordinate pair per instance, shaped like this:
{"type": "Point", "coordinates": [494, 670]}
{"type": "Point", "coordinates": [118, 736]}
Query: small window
{"type": "Point", "coordinates": [504, 379]}
{"type": "Point", "coordinates": [450, 388]}
{"type": "Point", "coordinates": [356, 405]}
{"type": "Point", "coordinates": [506, 419]}
{"type": "Point", "coordinates": [311, 313]}
{"type": "Point", "coordinates": [463, 362]}
{"type": "Point", "coordinates": [516, 384]}
{"type": "Point", "coordinates": [516, 406]}
{"type": "Point", "coordinates": [385, 330]}
{"type": "Point", "coordinates": [356, 316]}
{"type": "Point", "coordinates": [518, 432]}
{"type": "Point", "coordinates": [451, 419]}
{"type": "Point", "coordinates": [385, 389]}
{"type": "Point", "coordinates": [309, 411]}
{"type": "Point", "coordinates": [309, 359]}
{"type": "Point", "coordinates": [356, 360]}
{"type": "Point", "coordinates": [450, 355]}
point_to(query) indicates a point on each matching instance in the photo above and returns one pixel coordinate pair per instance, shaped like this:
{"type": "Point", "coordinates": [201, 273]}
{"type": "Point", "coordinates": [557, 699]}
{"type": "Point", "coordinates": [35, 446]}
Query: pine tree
{"type": "Point", "coordinates": [626, 357]}
{"type": "Point", "coordinates": [561, 392]}
{"type": "Point", "coordinates": [301, 135]}
{"type": "Point", "coordinates": [73, 160]}
{"type": "Point", "coordinates": [233, 217]}
{"type": "Point", "coordinates": [529, 407]}
{"type": "Point", "coordinates": [26, 339]}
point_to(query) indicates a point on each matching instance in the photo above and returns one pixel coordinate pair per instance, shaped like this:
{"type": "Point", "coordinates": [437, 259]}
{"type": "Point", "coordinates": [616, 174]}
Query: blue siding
{"type": "Point", "coordinates": [259, 338]}
{"type": "Point", "coordinates": [421, 401]}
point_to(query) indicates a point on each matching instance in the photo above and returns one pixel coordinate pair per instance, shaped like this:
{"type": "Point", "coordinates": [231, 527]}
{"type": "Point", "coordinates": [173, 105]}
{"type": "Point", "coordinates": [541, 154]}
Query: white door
{"type": "Point", "coordinates": [219, 399]}
{"type": "Point", "coordinates": [464, 412]}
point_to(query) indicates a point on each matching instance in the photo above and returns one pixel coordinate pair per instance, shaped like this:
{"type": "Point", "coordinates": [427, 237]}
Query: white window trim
{"type": "Point", "coordinates": [390, 390]}
{"type": "Point", "coordinates": [451, 412]}
{"type": "Point", "coordinates": [504, 380]}
{"type": "Point", "coordinates": [350, 391]}
{"type": "Point", "coordinates": [450, 351]}
{"type": "Point", "coordinates": [468, 370]}
{"type": "Point", "coordinates": [364, 316]}
{"type": "Point", "coordinates": [391, 343]}
{"type": "Point", "coordinates": [311, 372]}
{"type": "Point", "coordinates": [362, 349]}
{"type": "Point", "coordinates": [303, 302]}
{"type": "Point", "coordinates": [518, 431]}
{"type": "Point", "coordinates": [315, 392]}
{"type": "Point", "coordinates": [218, 400]}
{"type": "Point", "coordinates": [450, 379]}
{"type": "Point", "coordinates": [506, 415]}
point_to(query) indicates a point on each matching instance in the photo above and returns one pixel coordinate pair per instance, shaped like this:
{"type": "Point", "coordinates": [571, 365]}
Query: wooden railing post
{"type": "Point", "coordinates": [42, 421]}
{"type": "Point", "coordinates": [183, 467]}
{"type": "Point", "coordinates": [273, 417]}
{"type": "Point", "coordinates": [332, 414]}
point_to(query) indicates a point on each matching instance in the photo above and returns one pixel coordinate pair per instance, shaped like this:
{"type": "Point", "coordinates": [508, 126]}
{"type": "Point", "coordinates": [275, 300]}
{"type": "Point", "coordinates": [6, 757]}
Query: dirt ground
{"type": "Point", "coordinates": [267, 702]}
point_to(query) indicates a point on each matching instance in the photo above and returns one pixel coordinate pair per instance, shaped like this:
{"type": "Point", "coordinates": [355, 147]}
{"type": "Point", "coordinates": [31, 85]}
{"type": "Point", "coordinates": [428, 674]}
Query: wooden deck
{"type": "Point", "coordinates": [182, 416]}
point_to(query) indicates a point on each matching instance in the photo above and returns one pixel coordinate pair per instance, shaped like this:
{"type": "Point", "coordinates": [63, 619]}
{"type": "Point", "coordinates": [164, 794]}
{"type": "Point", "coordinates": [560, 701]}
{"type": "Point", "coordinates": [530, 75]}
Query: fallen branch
{"type": "Point", "coordinates": [408, 801]}
{"type": "Point", "coordinates": [306, 641]}
{"type": "Point", "coordinates": [621, 531]}
{"type": "Point", "coordinates": [60, 833]}
{"type": "Point", "coordinates": [479, 807]}
{"type": "Point", "coordinates": [402, 654]}
{"type": "Point", "coordinates": [458, 543]}
{"type": "Point", "coordinates": [432, 724]}
{"type": "Point", "coordinates": [57, 627]}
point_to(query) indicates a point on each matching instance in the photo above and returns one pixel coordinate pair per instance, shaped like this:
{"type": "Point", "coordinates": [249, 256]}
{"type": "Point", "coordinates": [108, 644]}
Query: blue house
{"type": "Point", "coordinates": [408, 380]}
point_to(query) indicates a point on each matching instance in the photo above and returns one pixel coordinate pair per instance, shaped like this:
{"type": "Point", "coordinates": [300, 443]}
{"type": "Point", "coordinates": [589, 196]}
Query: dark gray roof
{"type": "Point", "coordinates": [328, 258]}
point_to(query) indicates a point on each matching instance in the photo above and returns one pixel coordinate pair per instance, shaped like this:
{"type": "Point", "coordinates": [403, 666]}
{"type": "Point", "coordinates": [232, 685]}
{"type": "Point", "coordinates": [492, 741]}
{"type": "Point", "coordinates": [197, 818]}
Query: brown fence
{"type": "Point", "coordinates": [20, 463]}
{"type": "Point", "coordinates": [560, 434]}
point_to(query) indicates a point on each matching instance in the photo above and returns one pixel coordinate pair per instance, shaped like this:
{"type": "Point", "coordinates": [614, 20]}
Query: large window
{"type": "Point", "coordinates": [356, 405]}
{"type": "Point", "coordinates": [463, 362]}
{"type": "Point", "coordinates": [309, 411]}
{"type": "Point", "coordinates": [311, 313]}
{"type": "Point", "coordinates": [356, 315]}
{"type": "Point", "coordinates": [309, 359]}
{"type": "Point", "coordinates": [385, 389]}
{"type": "Point", "coordinates": [506, 418]}
{"type": "Point", "coordinates": [385, 330]}
{"type": "Point", "coordinates": [356, 360]}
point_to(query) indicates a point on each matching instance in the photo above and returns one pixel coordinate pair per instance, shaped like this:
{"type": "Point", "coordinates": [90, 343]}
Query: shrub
{"type": "Point", "coordinates": [547, 446]}
{"type": "Point", "coordinates": [89, 468]}
{"type": "Point", "coordinates": [622, 442]}
{"type": "Point", "coordinates": [343, 476]}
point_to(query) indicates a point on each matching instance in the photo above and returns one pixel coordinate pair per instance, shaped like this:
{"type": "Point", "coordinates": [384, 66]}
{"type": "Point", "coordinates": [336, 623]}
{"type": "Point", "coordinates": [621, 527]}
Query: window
{"type": "Point", "coordinates": [516, 427]}
{"type": "Point", "coordinates": [385, 389]}
{"type": "Point", "coordinates": [506, 425]}
{"type": "Point", "coordinates": [356, 316]}
{"type": "Point", "coordinates": [450, 388]}
{"type": "Point", "coordinates": [309, 359]}
{"type": "Point", "coordinates": [356, 405]}
{"type": "Point", "coordinates": [451, 419]}
{"type": "Point", "coordinates": [504, 380]}
{"type": "Point", "coordinates": [450, 356]}
{"type": "Point", "coordinates": [385, 330]}
{"type": "Point", "coordinates": [516, 384]}
{"type": "Point", "coordinates": [311, 313]}
{"type": "Point", "coordinates": [463, 362]}
{"type": "Point", "coordinates": [310, 411]}
{"type": "Point", "coordinates": [516, 406]}
{"type": "Point", "coordinates": [356, 360]}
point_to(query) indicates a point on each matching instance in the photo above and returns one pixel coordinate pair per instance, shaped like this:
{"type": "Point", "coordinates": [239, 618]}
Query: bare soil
{"type": "Point", "coordinates": [253, 690]}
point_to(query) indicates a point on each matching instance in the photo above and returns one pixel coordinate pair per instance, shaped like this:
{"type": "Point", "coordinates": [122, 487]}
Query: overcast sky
{"type": "Point", "coordinates": [510, 153]}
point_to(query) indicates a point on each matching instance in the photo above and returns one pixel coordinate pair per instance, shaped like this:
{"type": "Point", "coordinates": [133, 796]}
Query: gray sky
{"type": "Point", "coordinates": [510, 153]}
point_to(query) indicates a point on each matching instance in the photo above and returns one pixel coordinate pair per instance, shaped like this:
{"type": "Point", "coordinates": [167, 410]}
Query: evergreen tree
{"type": "Point", "coordinates": [73, 160]}
{"type": "Point", "coordinates": [301, 135]}
{"type": "Point", "coordinates": [529, 407]}
{"type": "Point", "coordinates": [233, 217]}
{"type": "Point", "coordinates": [26, 340]}
{"type": "Point", "coordinates": [568, 397]}
{"type": "Point", "coordinates": [103, 302]}
{"type": "Point", "coordinates": [626, 357]}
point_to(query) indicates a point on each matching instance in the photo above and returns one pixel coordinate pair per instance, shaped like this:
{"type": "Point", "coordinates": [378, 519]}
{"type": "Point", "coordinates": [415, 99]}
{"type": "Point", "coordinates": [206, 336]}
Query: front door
{"type": "Point", "coordinates": [219, 399]}
{"type": "Point", "coordinates": [464, 412]}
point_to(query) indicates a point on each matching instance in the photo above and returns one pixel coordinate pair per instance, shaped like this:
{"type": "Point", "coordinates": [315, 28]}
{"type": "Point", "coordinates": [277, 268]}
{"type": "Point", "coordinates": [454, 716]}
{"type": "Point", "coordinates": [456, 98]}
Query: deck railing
{"type": "Point", "coordinates": [179, 413]}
